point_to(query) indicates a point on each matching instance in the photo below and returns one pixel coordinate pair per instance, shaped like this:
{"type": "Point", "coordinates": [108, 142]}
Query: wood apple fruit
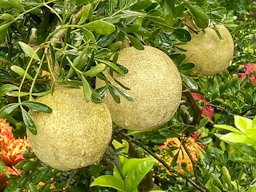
{"type": "Point", "coordinates": [76, 133]}
{"type": "Point", "coordinates": [155, 85]}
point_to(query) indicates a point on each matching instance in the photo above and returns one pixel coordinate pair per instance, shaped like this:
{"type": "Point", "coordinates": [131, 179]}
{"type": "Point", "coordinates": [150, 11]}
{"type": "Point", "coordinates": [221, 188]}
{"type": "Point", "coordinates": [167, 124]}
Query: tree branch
{"type": "Point", "coordinates": [166, 166]}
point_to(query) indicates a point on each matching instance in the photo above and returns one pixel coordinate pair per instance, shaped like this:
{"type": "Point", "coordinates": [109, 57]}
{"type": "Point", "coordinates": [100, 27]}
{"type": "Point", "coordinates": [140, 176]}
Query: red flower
{"type": "Point", "coordinates": [207, 110]}
{"type": "Point", "coordinates": [198, 97]}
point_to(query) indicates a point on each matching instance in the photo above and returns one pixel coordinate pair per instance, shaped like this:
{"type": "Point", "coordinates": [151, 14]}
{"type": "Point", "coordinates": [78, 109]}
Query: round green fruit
{"type": "Point", "coordinates": [155, 85]}
{"type": "Point", "coordinates": [76, 133]}
{"type": "Point", "coordinates": [210, 53]}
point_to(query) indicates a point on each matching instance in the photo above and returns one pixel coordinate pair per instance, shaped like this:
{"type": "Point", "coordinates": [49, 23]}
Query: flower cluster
{"type": "Point", "coordinates": [183, 158]}
{"type": "Point", "coordinates": [250, 68]}
{"type": "Point", "coordinates": [11, 150]}
{"type": "Point", "coordinates": [207, 110]}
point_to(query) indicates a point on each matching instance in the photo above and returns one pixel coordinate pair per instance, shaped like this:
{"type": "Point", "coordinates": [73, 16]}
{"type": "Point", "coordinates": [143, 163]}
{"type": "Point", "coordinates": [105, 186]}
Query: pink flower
{"type": "Point", "coordinates": [250, 68]}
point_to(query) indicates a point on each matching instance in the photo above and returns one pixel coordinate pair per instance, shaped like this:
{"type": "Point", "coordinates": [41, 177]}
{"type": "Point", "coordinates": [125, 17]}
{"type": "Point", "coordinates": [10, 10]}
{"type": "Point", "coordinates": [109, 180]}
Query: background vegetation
{"type": "Point", "coordinates": [41, 41]}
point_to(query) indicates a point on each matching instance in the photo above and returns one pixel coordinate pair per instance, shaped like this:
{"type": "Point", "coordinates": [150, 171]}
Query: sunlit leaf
{"type": "Point", "coordinates": [242, 123]}
{"type": "Point", "coordinates": [21, 72]}
{"type": "Point", "coordinates": [109, 181]}
{"type": "Point", "coordinates": [101, 27]}
{"type": "Point", "coordinates": [6, 88]}
{"type": "Point", "coordinates": [29, 51]}
{"type": "Point", "coordinates": [135, 170]}
{"type": "Point", "coordinates": [228, 127]}
{"type": "Point", "coordinates": [235, 138]}
{"type": "Point", "coordinates": [95, 70]}
{"type": "Point", "coordinates": [86, 89]}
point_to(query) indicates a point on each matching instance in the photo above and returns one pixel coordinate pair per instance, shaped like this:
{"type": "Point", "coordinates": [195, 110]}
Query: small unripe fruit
{"type": "Point", "coordinates": [76, 133]}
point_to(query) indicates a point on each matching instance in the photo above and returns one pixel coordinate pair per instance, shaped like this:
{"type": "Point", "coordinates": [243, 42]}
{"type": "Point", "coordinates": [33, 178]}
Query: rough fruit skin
{"type": "Point", "coordinates": [75, 134]}
{"type": "Point", "coordinates": [155, 85]}
{"type": "Point", "coordinates": [208, 52]}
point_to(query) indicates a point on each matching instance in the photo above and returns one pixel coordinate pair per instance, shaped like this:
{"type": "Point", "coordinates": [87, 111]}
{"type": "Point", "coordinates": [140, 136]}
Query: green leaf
{"type": "Point", "coordinates": [101, 27]}
{"type": "Point", "coordinates": [114, 93]}
{"type": "Point", "coordinates": [116, 173]}
{"type": "Point", "coordinates": [9, 108]}
{"type": "Point", "coordinates": [17, 93]}
{"type": "Point", "coordinates": [113, 66]}
{"type": "Point", "coordinates": [4, 4]}
{"type": "Point", "coordinates": [21, 72]}
{"type": "Point", "coordinates": [83, 1]}
{"type": "Point", "coordinates": [135, 42]}
{"type": "Point", "coordinates": [226, 177]}
{"type": "Point", "coordinates": [135, 170]}
{"type": "Point", "coordinates": [86, 12]}
{"type": "Point", "coordinates": [87, 33]}
{"type": "Point", "coordinates": [95, 70]}
{"type": "Point", "coordinates": [254, 123]}
{"type": "Point", "coordinates": [6, 88]}
{"type": "Point", "coordinates": [109, 181]}
{"type": "Point", "coordinates": [16, 4]}
{"type": "Point", "coordinates": [86, 89]}
{"type": "Point", "coordinates": [3, 168]}
{"type": "Point", "coordinates": [186, 66]}
{"type": "Point", "coordinates": [29, 51]}
{"type": "Point", "coordinates": [7, 17]}
{"type": "Point", "coordinates": [167, 12]}
{"type": "Point", "coordinates": [199, 16]}
{"type": "Point", "coordinates": [235, 138]}
{"type": "Point", "coordinates": [3, 30]}
{"type": "Point", "coordinates": [142, 4]}
{"type": "Point", "coordinates": [28, 121]}
{"type": "Point", "coordinates": [228, 127]}
{"type": "Point", "coordinates": [189, 82]}
{"type": "Point", "coordinates": [125, 94]}
{"type": "Point", "coordinates": [242, 123]}
{"type": "Point", "coordinates": [125, 148]}
{"type": "Point", "coordinates": [37, 106]}
{"type": "Point", "coordinates": [182, 35]}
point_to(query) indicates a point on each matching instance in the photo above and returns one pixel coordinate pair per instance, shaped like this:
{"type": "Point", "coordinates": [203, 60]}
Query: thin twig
{"type": "Point", "coordinates": [72, 175]}
{"type": "Point", "coordinates": [192, 103]}
{"type": "Point", "coordinates": [192, 162]}
{"type": "Point", "coordinates": [170, 169]}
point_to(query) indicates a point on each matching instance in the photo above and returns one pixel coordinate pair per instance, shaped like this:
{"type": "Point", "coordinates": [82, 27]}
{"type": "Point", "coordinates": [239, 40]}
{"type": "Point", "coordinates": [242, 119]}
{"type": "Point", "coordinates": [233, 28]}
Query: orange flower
{"type": "Point", "coordinates": [12, 152]}
{"type": "Point", "coordinates": [183, 157]}
{"type": "Point", "coordinates": [5, 132]}
{"type": "Point", "coordinates": [41, 184]}
{"type": "Point", "coordinates": [11, 149]}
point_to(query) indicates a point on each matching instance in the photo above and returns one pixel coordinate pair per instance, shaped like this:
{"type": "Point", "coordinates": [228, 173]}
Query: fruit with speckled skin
{"type": "Point", "coordinates": [76, 133]}
{"type": "Point", "coordinates": [155, 85]}
{"type": "Point", "coordinates": [209, 53]}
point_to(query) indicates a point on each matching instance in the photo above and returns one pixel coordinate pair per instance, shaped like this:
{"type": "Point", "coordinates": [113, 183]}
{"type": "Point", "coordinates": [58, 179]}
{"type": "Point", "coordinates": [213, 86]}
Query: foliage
{"type": "Point", "coordinates": [46, 42]}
